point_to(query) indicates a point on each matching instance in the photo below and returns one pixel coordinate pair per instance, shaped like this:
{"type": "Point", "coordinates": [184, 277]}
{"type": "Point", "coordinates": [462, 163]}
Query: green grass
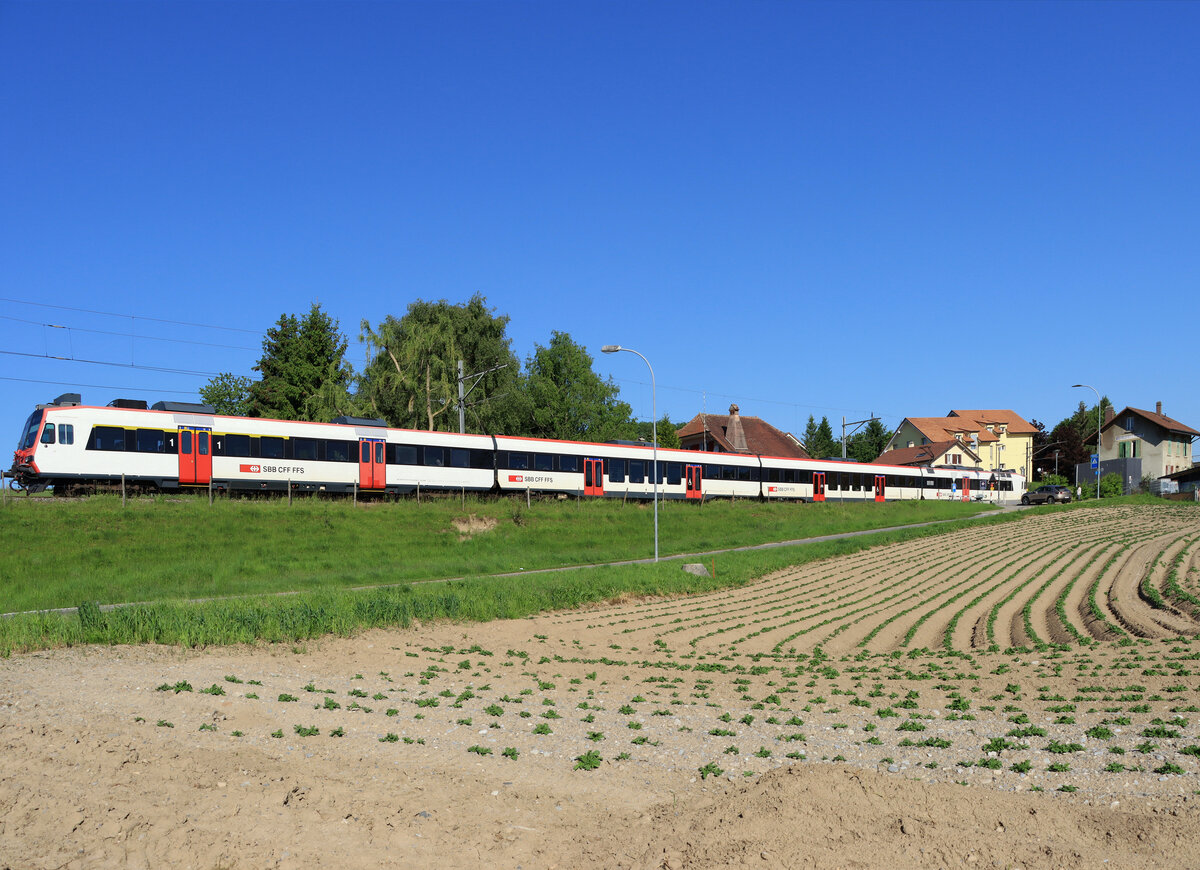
{"type": "Point", "coordinates": [182, 548]}
{"type": "Point", "coordinates": [347, 545]}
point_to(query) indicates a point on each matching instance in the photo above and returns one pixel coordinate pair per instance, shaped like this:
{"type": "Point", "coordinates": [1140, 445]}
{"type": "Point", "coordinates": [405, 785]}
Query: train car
{"type": "Point", "coordinates": [613, 470]}
{"type": "Point", "coordinates": [79, 448]}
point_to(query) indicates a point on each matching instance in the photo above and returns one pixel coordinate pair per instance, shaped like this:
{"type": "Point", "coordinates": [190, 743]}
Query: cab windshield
{"type": "Point", "coordinates": [29, 436]}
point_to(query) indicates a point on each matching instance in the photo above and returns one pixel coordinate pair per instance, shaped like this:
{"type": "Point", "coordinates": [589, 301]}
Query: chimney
{"type": "Point", "coordinates": [1109, 413]}
{"type": "Point", "coordinates": [1158, 408]}
{"type": "Point", "coordinates": [734, 431]}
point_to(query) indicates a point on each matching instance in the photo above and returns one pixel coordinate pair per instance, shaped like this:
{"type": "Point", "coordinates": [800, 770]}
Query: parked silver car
{"type": "Point", "coordinates": [1049, 494]}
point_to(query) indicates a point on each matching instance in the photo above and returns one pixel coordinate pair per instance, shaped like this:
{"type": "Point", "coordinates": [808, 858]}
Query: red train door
{"type": "Point", "coordinates": [195, 456]}
{"type": "Point", "coordinates": [818, 486]}
{"type": "Point", "coordinates": [372, 467]}
{"type": "Point", "coordinates": [880, 486]}
{"type": "Point", "coordinates": [593, 477]}
{"type": "Point", "coordinates": [695, 477]}
{"type": "Point", "coordinates": [966, 489]}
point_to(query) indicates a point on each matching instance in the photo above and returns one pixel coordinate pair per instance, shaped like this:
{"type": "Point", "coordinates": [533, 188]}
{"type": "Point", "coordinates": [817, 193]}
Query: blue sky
{"type": "Point", "coordinates": [804, 208]}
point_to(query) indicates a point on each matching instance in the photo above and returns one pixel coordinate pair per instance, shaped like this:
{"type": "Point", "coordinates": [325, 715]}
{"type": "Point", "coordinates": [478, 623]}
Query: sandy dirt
{"type": "Point", "coordinates": [785, 724]}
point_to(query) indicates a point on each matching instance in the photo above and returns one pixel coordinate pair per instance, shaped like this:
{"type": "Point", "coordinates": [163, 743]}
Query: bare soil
{"type": "Point", "coordinates": [722, 736]}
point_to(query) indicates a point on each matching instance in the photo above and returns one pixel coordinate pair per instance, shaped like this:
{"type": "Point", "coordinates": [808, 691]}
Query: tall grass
{"type": "Point", "coordinates": [59, 553]}
{"type": "Point", "coordinates": [342, 612]}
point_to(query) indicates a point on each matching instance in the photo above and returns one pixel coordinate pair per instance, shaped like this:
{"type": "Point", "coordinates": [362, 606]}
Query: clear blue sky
{"type": "Point", "coordinates": [806, 208]}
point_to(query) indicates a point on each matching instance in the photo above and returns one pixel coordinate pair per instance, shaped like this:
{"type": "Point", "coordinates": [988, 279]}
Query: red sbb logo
{"type": "Point", "coordinates": [251, 469]}
{"type": "Point", "coordinates": [516, 478]}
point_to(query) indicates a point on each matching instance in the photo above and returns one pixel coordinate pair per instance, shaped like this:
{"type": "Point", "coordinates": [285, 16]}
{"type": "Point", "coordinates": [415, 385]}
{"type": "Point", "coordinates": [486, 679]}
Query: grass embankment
{"type": "Point", "coordinates": [161, 552]}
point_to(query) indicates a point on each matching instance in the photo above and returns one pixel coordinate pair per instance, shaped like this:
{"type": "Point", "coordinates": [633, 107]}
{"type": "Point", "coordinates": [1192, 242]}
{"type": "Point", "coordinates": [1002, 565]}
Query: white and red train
{"type": "Point", "coordinates": [179, 446]}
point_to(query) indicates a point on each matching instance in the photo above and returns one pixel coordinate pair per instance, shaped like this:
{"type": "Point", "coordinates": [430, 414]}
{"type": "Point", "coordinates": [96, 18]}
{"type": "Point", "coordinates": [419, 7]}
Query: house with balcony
{"type": "Point", "coordinates": [997, 439]}
{"type": "Point", "coordinates": [942, 454]}
{"type": "Point", "coordinates": [1136, 443]}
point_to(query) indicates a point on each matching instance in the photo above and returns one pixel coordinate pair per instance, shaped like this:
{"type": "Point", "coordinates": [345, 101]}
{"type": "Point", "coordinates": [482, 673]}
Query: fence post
{"type": "Point", "coordinates": [355, 501]}
{"type": "Point", "coordinates": [122, 489]}
{"type": "Point", "coordinates": [464, 497]}
{"type": "Point", "coordinates": [418, 492]}
{"type": "Point", "coordinates": [210, 490]}
{"type": "Point", "coordinates": [4, 486]}
{"type": "Point", "coordinates": [289, 492]}
{"type": "Point", "coordinates": [527, 504]}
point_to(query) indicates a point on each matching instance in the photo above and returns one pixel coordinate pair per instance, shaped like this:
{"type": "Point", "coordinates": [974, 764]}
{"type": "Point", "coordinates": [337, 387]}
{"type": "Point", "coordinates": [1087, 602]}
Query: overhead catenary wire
{"type": "Point", "coordinates": [125, 334]}
{"type": "Point", "coordinates": [132, 316]}
{"type": "Point", "coordinates": [98, 386]}
{"type": "Point", "coordinates": [98, 362]}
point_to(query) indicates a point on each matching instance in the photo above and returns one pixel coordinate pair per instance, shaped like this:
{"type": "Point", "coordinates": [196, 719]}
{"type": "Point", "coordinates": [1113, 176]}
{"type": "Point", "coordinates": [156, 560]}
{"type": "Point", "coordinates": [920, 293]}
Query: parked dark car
{"type": "Point", "coordinates": [1049, 494]}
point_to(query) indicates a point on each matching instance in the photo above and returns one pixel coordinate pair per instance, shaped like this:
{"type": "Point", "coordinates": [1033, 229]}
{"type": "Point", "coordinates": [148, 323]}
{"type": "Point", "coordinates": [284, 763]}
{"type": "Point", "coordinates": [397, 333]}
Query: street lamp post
{"type": "Point", "coordinates": [614, 348]}
{"type": "Point", "coordinates": [1098, 412]}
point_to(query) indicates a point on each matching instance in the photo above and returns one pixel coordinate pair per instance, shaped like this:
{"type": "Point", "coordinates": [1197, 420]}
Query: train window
{"type": "Point", "coordinates": [743, 472]}
{"type": "Point", "coordinates": [304, 448]}
{"type": "Point", "coordinates": [236, 445]}
{"type": "Point", "coordinates": [185, 442]}
{"type": "Point", "coordinates": [66, 433]}
{"type": "Point", "coordinates": [568, 463]}
{"type": "Point", "coordinates": [150, 440]}
{"type": "Point", "coordinates": [255, 449]}
{"type": "Point", "coordinates": [518, 461]}
{"type": "Point", "coordinates": [435, 457]}
{"type": "Point", "coordinates": [379, 453]}
{"type": "Point", "coordinates": [364, 452]}
{"type": "Point", "coordinates": [543, 461]}
{"type": "Point", "coordinates": [460, 457]}
{"type": "Point", "coordinates": [48, 433]}
{"type": "Point", "coordinates": [616, 470]}
{"type": "Point", "coordinates": [771, 475]}
{"type": "Point", "coordinates": [202, 443]}
{"type": "Point", "coordinates": [337, 451]}
{"type": "Point", "coordinates": [637, 471]}
{"type": "Point", "coordinates": [270, 448]}
{"type": "Point", "coordinates": [674, 473]}
{"type": "Point", "coordinates": [483, 459]}
{"type": "Point", "coordinates": [31, 430]}
{"type": "Point", "coordinates": [406, 454]}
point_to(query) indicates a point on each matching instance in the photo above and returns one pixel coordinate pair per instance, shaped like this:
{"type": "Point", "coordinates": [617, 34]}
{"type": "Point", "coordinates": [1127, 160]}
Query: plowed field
{"type": "Point", "coordinates": [1023, 694]}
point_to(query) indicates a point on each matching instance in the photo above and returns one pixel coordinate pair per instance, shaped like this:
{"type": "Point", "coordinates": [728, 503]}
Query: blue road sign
{"type": "Point", "coordinates": [1095, 460]}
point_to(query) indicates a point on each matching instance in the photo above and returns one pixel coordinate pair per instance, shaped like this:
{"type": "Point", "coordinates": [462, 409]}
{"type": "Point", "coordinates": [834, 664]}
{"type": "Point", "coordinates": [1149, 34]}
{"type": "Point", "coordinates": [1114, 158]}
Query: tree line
{"type": "Point", "coordinates": [411, 378]}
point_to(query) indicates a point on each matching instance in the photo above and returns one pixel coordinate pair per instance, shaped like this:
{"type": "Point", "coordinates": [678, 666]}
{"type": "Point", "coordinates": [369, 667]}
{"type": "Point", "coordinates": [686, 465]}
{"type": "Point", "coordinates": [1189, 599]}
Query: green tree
{"type": "Point", "coordinates": [668, 432]}
{"type": "Point", "coordinates": [228, 394]}
{"type": "Point", "coordinates": [412, 380]}
{"type": "Point", "coordinates": [1066, 439]}
{"type": "Point", "coordinates": [818, 439]}
{"type": "Point", "coordinates": [300, 357]}
{"type": "Point", "coordinates": [866, 444]}
{"type": "Point", "coordinates": [570, 401]}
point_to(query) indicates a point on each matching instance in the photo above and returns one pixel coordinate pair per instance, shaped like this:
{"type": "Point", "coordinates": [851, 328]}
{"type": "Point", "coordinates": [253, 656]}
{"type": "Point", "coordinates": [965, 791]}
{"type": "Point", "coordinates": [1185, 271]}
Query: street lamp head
{"type": "Point", "coordinates": [610, 348]}
{"type": "Point", "coordinates": [1078, 385]}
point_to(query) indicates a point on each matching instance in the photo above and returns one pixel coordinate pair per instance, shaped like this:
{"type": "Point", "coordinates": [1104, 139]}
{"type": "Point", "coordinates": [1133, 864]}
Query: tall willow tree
{"type": "Point", "coordinates": [412, 377]}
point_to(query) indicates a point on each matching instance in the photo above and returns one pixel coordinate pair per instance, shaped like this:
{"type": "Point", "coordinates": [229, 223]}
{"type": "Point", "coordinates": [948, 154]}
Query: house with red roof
{"type": "Point", "coordinates": [995, 439]}
{"type": "Point", "coordinates": [1163, 444]}
{"type": "Point", "coordinates": [733, 433]}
